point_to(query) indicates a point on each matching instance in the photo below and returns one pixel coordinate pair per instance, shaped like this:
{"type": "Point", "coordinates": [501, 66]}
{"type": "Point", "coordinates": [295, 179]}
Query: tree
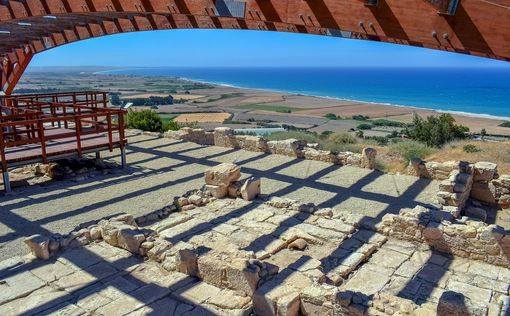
{"type": "Point", "coordinates": [436, 130]}
{"type": "Point", "coordinates": [115, 99]}
{"type": "Point", "coordinates": [483, 133]}
{"type": "Point", "coordinates": [146, 120]}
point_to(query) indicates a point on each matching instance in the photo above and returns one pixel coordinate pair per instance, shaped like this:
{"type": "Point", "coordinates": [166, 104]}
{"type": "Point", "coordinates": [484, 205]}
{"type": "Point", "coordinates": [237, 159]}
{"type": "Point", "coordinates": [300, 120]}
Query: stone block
{"type": "Point", "coordinates": [368, 156]}
{"type": "Point", "coordinates": [289, 147]}
{"type": "Point", "coordinates": [39, 246]}
{"type": "Point", "coordinates": [485, 171]}
{"type": "Point", "coordinates": [157, 252]}
{"type": "Point", "coordinates": [129, 238]}
{"type": "Point", "coordinates": [217, 191]}
{"type": "Point", "coordinates": [484, 192]}
{"type": "Point", "coordinates": [250, 189]}
{"type": "Point", "coordinates": [223, 174]}
{"type": "Point", "coordinates": [242, 276]}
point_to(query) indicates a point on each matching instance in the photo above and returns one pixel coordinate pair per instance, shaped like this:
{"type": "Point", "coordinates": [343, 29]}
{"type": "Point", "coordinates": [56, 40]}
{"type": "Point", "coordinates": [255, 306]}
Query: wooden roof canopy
{"type": "Point", "coordinates": [476, 27]}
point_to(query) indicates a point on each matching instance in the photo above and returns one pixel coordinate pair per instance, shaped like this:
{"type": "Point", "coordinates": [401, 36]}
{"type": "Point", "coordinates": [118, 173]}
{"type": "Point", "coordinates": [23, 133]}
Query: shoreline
{"type": "Point", "coordinates": [460, 113]}
{"type": "Point", "coordinates": [227, 85]}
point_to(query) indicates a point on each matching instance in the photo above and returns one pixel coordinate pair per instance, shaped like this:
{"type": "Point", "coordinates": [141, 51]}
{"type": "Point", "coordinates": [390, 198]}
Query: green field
{"type": "Point", "coordinates": [268, 107]}
{"type": "Point", "coordinates": [168, 116]}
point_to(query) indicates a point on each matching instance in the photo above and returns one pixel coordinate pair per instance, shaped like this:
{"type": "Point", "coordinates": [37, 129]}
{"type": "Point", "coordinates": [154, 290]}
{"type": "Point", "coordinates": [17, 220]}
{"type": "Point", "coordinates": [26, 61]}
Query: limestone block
{"type": "Point", "coordinates": [484, 192]}
{"type": "Point", "coordinates": [274, 298]}
{"type": "Point", "coordinates": [211, 269]}
{"type": "Point", "coordinates": [182, 201]}
{"type": "Point", "coordinates": [223, 136]}
{"type": "Point", "coordinates": [368, 156]}
{"type": "Point", "coordinates": [39, 246]}
{"type": "Point", "coordinates": [242, 276]}
{"type": "Point", "coordinates": [289, 147]}
{"type": "Point", "coordinates": [311, 153]}
{"type": "Point", "coordinates": [127, 219]}
{"type": "Point", "coordinates": [223, 174]}
{"type": "Point", "coordinates": [250, 189]}
{"type": "Point", "coordinates": [298, 244]}
{"type": "Point", "coordinates": [217, 191]}
{"type": "Point", "coordinates": [321, 299]}
{"type": "Point", "coordinates": [418, 168]}
{"type": "Point", "coordinates": [130, 238]}
{"type": "Point", "coordinates": [253, 143]}
{"type": "Point", "coordinates": [181, 258]}
{"type": "Point", "coordinates": [109, 232]}
{"type": "Point", "coordinates": [157, 252]}
{"type": "Point", "coordinates": [195, 200]}
{"type": "Point", "coordinates": [485, 171]}
{"type": "Point", "coordinates": [95, 233]}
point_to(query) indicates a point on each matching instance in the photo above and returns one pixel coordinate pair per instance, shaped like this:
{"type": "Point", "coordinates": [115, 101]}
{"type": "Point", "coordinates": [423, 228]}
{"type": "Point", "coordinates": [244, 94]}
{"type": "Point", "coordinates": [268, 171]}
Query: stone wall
{"type": "Point", "coordinates": [225, 137]}
{"type": "Point", "coordinates": [468, 239]}
{"type": "Point", "coordinates": [462, 181]}
{"type": "Point", "coordinates": [432, 169]}
{"type": "Point", "coordinates": [455, 191]}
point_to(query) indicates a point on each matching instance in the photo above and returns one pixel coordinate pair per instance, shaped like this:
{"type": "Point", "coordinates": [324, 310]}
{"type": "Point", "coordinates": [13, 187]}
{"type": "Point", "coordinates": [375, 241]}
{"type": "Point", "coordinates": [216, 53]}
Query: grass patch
{"type": "Point", "coordinates": [470, 148]}
{"type": "Point", "coordinates": [505, 124]}
{"type": "Point", "coordinates": [410, 149]}
{"type": "Point", "coordinates": [268, 107]}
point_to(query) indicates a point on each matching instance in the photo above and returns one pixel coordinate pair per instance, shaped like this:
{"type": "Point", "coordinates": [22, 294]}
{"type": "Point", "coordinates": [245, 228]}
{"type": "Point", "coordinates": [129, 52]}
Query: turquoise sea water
{"type": "Point", "coordinates": [471, 90]}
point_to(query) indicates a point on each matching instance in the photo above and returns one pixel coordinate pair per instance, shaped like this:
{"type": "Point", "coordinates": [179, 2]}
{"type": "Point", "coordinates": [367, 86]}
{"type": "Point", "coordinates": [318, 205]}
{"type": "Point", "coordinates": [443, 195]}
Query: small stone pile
{"type": "Point", "coordinates": [64, 169]}
{"type": "Point", "coordinates": [121, 231]}
{"type": "Point", "coordinates": [221, 181]}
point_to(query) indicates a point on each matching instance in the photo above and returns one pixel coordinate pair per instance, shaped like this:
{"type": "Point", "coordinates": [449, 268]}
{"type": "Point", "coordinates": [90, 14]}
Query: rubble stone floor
{"type": "Point", "coordinates": [365, 266]}
{"type": "Point", "coordinates": [160, 169]}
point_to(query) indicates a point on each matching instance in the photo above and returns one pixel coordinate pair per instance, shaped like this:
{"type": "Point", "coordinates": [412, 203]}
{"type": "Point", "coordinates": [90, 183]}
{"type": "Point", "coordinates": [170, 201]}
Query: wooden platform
{"type": "Point", "coordinates": [58, 148]}
{"type": "Point", "coordinates": [48, 127]}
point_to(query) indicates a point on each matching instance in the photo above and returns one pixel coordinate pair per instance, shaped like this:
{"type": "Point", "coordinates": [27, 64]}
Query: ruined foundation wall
{"type": "Point", "coordinates": [471, 239]}
{"type": "Point", "coordinates": [225, 137]}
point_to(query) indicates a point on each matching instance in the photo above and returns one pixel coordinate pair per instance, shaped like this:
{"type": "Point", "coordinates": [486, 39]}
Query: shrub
{"type": "Point", "coordinates": [326, 134]}
{"type": "Point", "coordinates": [411, 149]}
{"type": "Point", "coordinates": [360, 134]}
{"type": "Point", "coordinates": [470, 148]}
{"type": "Point", "coordinates": [331, 116]}
{"type": "Point", "coordinates": [384, 122]}
{"type": "Point", "coordinates": [380, 140]}
{"type": "Point", "coordinates": [364, 126]}
{"type": "Point", "coordinates": [146, 120]}
{"type": "Point", "coordinates": [171, 126]}
{"type": "Point", "coordinates": [505, 124]}
{"type": "Point", "coordinates": [360, 117]}
{"type": "Point", "coordinates": [435, 131]}
{"type": "Point", "coordinates": [342, 138]}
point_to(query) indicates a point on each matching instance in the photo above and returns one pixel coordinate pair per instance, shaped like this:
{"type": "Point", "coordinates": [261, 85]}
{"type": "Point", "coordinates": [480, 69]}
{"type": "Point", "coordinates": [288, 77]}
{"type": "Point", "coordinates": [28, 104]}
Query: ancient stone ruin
{"type": "Point", "coordinates": [228, 250]}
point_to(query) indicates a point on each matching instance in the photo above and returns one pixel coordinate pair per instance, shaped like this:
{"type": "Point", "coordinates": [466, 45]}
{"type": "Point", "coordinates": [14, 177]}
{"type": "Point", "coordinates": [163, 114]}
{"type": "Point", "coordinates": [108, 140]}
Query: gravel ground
{"type": "Point", "coordinates": [160, 169]}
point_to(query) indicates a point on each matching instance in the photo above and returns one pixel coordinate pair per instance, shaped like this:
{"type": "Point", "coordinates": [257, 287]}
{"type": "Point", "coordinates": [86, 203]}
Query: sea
{"type": "Point", "coordinates": [478, 91]}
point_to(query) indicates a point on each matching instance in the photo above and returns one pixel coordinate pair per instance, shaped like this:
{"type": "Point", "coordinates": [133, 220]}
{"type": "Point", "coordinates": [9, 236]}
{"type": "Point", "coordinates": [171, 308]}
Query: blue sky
{"type": "Point", "coordinates": [219, 48]}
